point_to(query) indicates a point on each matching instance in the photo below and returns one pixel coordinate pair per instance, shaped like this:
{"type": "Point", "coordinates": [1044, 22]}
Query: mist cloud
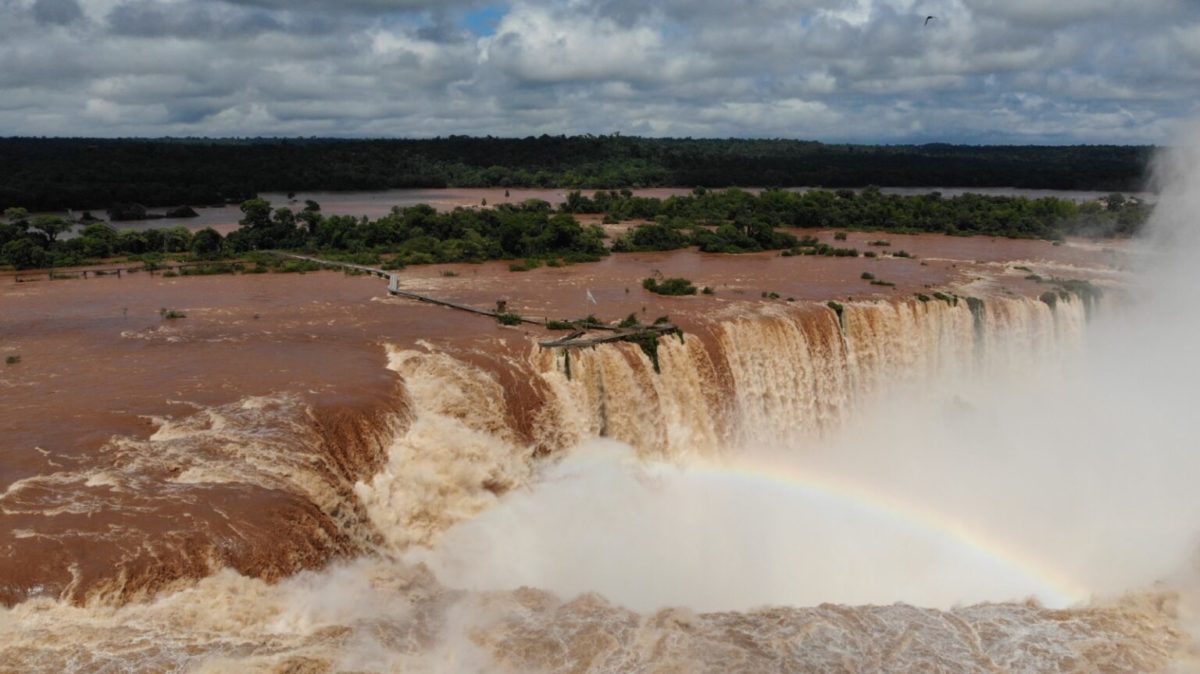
{"type": "Point", "coordinates": [1064, 475]}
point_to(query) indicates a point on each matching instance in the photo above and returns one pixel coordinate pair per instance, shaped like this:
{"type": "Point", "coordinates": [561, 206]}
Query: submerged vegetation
{"type": "Point", "coordinates": [671, 286]}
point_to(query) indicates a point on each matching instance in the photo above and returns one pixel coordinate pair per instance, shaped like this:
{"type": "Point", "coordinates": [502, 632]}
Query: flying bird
{"type": "Point", "coordinates": [590, 296]}
{"type": "Point", "coordinates": [928, 19]}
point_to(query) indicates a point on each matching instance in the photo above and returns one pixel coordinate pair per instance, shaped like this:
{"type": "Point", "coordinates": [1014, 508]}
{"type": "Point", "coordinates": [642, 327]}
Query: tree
{"type": "Point", "coordinates": [206, 243]}
{"type": "Point", "coordinates": [256, 214]}
{"type": "Point", "coordinates": [51, 226]}
{"type": "Point", "coordinates": [17, 216]}
{"type": "Point", "coordinates": [25, 254]}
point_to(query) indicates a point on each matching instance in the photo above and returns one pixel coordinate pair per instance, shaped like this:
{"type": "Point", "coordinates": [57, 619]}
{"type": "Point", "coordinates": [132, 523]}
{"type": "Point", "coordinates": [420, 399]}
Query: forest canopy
{"type": "Point", "coordinates": [43, 174]}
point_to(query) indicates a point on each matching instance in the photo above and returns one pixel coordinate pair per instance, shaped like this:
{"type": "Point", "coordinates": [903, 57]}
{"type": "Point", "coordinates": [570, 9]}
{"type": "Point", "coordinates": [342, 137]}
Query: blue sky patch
{"type": "Point", "coordinates": [483, 21]}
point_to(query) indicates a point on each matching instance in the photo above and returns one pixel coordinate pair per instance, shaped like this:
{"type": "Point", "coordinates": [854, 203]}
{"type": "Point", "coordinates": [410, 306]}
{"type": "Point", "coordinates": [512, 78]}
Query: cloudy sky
{"type": "Point", "coordinates": [984, 71]}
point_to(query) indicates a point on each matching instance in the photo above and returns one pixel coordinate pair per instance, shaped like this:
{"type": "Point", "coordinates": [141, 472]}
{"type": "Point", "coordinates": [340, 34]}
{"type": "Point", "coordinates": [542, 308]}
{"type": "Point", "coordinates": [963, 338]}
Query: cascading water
{"type": "Point", "coordinates": [465, 485]}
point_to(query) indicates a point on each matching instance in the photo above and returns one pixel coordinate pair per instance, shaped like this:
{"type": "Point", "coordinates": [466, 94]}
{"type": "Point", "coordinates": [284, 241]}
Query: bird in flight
{"type": "Point", "coordinates": [928, 19]}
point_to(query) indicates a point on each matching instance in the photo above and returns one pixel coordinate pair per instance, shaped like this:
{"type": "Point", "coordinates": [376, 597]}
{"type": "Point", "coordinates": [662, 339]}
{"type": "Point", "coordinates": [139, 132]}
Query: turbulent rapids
{"type": "Point", "coordinates": [437, 506]}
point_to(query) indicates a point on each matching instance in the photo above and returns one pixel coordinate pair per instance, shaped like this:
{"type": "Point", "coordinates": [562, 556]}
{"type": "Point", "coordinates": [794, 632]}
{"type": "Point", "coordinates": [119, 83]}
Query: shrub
{"type": "Point", "coordinates": [508, 319]}
{"type": "Point", "coordinates": [671, 286]}
{"type": "Point", "coordinates": [870, 253]}
{"type": "Point", "coordinates": [708, 290]}
{"type": "Point", "coordinates": [630, 321]}
{"type": "Point", "coordinates": [662, 320]}
{"type": "Point", "coordinates": [12, 360]}
{"type": "Point", "coordinates": [878, 282]}
{"type": "Point", "coordinates": [879, 242]}
{"type": "Point", "coordinates": [171, 314]}
{"type": "Point", "coordinates": [952, 301]}
{"type": "Point", "coordinates": [901, 253]}
{"type": "Point", "coordinates": [840, 236]}
{"type": "Point", "coordinates": [449, 273]}
{"type": "Point", "coordinates": [560, 325]}
{"type": "Point", "coordinates": [210, 269]}
{"type": "Point", "coordinates": [867, 276]}
{"type": "Point", "coordinates": [526, 265]}
{"type": "Point", "coordinates": [837, 308]}
{"type": "Point", "coordinates": [923, 297]}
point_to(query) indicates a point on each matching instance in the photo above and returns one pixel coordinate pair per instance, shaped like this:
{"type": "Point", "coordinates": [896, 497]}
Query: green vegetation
{"type": "Point", "coordinates": [508, 319]}
{"type": "Point", "coordinates": [533, 233]}
{"type": "Point", "coordinates": [878, 282]}
{"type": "Point", "coordinates": [559, 325]}
{"type": "Point", "coordinates": [56, 174]}
{"type": "Point", "coordinates": [923, 297]}
{"type": "Point", "coordinates": [416, 235]}
{"type": "Point", "coordinates": [867, 276]}
{"type": "Point", "coordinates": [630, 321]}
{"type": "Point", "coordinates": [948, 299]}
{"type": "Point", "coordinates": [879, 242]}
{"type": "Point", "coordinates": [12, 360]}
{"type": "Point", "coordinates": [1086, 291]}
{"type": "Point", "coordinates": [839, 236]}
{"type": "Point", "coordinates": [977, 308]}
{"type": "Point", "coordinates": [526, 265]}
{"type": "Point", "coordinates": [171, 314]}
{"type": "Point", "coordinates": [671, 286]}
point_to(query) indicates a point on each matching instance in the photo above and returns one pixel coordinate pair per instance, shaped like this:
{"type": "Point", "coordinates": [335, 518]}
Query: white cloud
{"type": "Point", "coordinates": [986, 70]}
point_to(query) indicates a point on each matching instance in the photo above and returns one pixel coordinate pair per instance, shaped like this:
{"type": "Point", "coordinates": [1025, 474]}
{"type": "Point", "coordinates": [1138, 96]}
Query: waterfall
{"type": "Point", "coordinates": [781, 376]}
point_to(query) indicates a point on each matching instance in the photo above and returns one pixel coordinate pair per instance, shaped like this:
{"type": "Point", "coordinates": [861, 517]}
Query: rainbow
{"type": "Point", "coordinates": [1066, 591]}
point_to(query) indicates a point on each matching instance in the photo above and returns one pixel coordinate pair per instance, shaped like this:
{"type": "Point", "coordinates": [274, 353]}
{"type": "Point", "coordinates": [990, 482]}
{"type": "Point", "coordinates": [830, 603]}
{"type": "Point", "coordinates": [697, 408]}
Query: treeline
{"type": "Point", "coordinates": [722, 221]}
{"type": "Point", "coordinates": [415, 235]}
{"type": "Point", "coordinates": [55, 174]}
{"type": "Point", "coordinates": [756, 215]}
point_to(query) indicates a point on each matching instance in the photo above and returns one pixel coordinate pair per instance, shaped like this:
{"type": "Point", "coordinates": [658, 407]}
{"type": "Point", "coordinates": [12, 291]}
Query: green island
{"type": "Point", "coordinates": [534, 232]}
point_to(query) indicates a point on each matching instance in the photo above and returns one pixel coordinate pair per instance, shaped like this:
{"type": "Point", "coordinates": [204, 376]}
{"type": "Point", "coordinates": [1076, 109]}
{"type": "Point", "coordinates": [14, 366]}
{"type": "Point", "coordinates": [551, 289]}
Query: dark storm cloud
{"type": "Point", "coordinates": [987, 70]}
{"type": "Point", "coordinates": [58, 12]}
{"type": "Point", "coordinates": [151, 18]}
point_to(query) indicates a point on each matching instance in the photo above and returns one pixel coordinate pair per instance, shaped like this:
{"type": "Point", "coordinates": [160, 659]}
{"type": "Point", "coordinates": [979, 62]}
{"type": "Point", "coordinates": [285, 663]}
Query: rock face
{"type": "Point", "coordinates": [182, 212]}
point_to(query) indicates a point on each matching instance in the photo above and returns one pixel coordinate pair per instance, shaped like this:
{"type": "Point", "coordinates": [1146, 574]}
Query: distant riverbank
{"type": "Point", "coordinates": [376, 204]}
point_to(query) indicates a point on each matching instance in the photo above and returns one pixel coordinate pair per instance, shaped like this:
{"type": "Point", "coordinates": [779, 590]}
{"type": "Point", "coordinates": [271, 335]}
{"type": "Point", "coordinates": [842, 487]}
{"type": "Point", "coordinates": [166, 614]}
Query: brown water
{"type": "Point", "coordinates": [238, 490]}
